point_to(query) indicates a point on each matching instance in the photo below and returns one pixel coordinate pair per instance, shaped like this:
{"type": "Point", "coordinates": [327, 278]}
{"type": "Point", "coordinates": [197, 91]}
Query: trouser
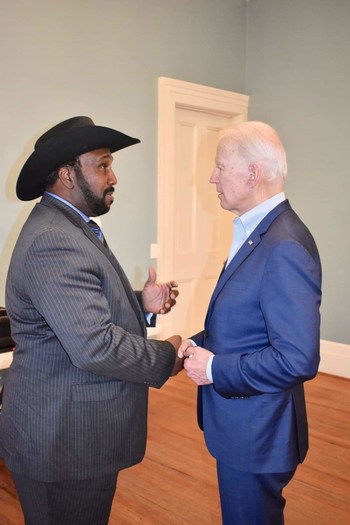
{"type": "Point", "coordinates": [251, 499]}
{"type": "Point", "coordinates": [71, 502]}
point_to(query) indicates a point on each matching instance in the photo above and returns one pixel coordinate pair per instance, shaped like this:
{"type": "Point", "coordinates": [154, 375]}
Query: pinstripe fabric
{"type": "Point", "coordinates": [75, 402]}
{"type": "Point", "coordinates": [84, 502]}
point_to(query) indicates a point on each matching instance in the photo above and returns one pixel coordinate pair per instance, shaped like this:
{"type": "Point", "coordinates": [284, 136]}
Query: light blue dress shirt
{"type": "Point", "coordinates": [85, 217]}
{"type": "Point", "coordinates": [243, 226]}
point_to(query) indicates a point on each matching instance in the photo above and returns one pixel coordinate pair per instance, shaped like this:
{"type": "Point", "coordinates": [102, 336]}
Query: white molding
{"type": "Point", "coordinates": [154, 332]}
{"type": "Point", "coordinates": [5, 360]}
{"type": "Point", "coordinates": [335, 358]}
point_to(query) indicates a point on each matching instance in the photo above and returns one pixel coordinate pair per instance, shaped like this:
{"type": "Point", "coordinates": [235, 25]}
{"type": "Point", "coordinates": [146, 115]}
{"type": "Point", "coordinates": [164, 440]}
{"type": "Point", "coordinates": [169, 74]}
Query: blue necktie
{"type": "Point", "coordinates": [97, 230]}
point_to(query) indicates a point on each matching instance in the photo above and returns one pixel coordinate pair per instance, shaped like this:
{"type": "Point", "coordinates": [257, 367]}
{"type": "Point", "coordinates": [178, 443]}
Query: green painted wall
{"type": "Point", "coordinates": [102, 58]}
{"type": "Point", "coordinates": [298, 78]}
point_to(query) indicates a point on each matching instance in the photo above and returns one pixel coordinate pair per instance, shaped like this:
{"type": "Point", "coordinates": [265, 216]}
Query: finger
{"type": "Point", "coordinates": [165, 308]}
{"type": "Point", "coordinates": [180, 352]}
{"type": "Point", "coordinates": [186, 366]}
{"type": "Point", "coordinates": [170, 303]}
{"type": "Point", "coordinates": [185, 344]}
{"type": "Point", "coordinates": [152, 275]}
{"type": "Point", "coordinates": [163, 311]}
{"type": "Point", "coordinates": [189, 352]}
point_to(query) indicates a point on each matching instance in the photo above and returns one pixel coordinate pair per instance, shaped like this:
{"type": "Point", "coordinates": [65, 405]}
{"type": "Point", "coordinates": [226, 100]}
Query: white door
{"type": "Point", "coordinates": [194, 233]}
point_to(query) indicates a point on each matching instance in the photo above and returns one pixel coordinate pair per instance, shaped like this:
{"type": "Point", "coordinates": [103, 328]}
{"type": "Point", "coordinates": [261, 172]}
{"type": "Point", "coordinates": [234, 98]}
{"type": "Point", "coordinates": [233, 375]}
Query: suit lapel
{"type": "Point", "coordinates": [76, 219]}
{"type": "Point", "coordinates": [246, 249]}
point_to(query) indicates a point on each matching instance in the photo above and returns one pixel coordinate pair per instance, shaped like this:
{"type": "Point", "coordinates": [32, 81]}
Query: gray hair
{"type": "Point", "coordinates": [257, 142]}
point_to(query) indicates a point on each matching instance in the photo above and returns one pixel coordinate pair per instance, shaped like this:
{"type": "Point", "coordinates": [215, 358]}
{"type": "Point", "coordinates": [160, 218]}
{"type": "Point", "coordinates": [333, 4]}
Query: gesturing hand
{"type": "Point", "coordinates": [158, 298]}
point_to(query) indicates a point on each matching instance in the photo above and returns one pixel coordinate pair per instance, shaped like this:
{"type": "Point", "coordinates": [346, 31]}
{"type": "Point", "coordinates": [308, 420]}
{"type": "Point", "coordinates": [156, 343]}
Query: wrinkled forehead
{"type": "Point", "coordinates": [228, 147]}
{"type": "Point", "coordinates": [229, 140]}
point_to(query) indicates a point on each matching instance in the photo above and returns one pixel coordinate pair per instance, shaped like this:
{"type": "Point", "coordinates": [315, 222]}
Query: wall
{"type": "Point", "coordinates": [102, 58]}
{"type": "Point", "coordinates": [298, 78]}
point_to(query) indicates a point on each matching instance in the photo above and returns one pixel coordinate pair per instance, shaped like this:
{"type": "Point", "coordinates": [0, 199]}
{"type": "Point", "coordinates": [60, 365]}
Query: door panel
{"type": "Point", "coordinates": [194, 233]}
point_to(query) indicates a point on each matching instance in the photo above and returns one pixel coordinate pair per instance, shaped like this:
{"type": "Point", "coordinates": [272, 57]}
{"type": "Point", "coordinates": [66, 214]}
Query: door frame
{"type": "Point", "coordinates": [172, 94]}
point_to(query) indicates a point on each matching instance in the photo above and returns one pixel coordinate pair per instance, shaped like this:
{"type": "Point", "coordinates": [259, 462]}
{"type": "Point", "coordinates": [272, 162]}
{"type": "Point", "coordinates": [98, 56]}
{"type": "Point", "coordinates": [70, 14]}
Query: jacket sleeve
{"type": "Point", "coordinates": [289, 298]}
{"type": "Point", "coordinates": [65, 283]}
{"type": "Point", "coordinates": [198, 339]}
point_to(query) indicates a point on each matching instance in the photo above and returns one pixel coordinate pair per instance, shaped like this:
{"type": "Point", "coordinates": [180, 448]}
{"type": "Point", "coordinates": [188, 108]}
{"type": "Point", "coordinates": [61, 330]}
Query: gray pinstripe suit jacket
{"type": "Point", "coordinates": [75, 402]}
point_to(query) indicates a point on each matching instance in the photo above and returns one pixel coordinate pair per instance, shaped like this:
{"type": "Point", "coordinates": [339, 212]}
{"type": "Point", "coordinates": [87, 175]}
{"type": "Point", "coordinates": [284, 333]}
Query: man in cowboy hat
{"type": "Point", "coordinates": [75, 402]}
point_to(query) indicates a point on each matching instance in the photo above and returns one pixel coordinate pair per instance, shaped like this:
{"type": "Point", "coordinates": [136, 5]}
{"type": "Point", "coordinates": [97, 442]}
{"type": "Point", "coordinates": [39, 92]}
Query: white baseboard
{"type": "Point", "coordinates": [335, 358]}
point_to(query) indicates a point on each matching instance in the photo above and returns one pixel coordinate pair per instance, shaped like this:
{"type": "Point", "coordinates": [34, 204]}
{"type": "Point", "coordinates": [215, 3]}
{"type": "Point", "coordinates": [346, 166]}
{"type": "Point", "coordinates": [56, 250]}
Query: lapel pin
{"type": "Point", "coordinates": [250, 242]}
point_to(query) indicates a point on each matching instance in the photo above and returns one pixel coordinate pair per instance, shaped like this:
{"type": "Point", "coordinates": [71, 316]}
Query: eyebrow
{"type": "Point", "coordinates": [106, 156]}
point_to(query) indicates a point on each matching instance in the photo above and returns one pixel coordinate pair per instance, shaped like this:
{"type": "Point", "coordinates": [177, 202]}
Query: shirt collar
{"type": "Point", "coordinates": [253, 217]}
{"type": "Point", "coordinates": [85, 217]}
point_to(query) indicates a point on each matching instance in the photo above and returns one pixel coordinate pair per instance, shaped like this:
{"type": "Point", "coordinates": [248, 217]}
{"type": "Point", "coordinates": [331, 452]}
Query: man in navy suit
{"type": "Point", "coordinates": [262, 332]}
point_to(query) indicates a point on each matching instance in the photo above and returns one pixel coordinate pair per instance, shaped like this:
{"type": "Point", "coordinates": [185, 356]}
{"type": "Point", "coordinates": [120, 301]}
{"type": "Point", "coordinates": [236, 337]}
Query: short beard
{"type": "Point", "coordinates": [97, 205]}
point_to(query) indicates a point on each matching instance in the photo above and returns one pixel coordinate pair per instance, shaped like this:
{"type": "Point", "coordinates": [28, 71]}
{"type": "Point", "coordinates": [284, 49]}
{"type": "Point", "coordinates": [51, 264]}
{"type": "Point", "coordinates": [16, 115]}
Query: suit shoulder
{"type": "Point", "coordinates": [288, 227]}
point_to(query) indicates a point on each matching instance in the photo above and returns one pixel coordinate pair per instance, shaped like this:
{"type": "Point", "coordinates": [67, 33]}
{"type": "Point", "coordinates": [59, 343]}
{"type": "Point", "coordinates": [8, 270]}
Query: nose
{"type": "Point", "coordinates": [112, 179]}
{"type": "Point", "coordinates": [214, 176]}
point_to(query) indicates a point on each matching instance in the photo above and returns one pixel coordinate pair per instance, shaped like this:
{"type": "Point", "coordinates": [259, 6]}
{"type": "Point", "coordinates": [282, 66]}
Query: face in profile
{"type": "Point", "coordinates": [96, 180]}
{"type": "Point", "coordinates": [231, 178]}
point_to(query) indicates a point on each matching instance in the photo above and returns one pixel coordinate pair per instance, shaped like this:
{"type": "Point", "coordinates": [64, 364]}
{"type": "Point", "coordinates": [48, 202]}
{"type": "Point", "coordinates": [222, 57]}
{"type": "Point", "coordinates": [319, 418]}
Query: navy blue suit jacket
{"type": "Point", "coordinates": [263, 327]}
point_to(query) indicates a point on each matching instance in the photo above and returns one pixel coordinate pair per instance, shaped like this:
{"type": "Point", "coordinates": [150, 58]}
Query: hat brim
{"type": "Point", "coordinates": [62, 149]}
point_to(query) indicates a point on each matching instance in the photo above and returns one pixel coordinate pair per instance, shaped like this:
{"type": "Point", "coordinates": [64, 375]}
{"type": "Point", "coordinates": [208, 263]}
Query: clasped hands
{"type": "Point", "coordinates": [195, 362]}
{"type": "Point", "coordinates": [193, 359]}
{"type": "Point", "coordinates": [159, 298]}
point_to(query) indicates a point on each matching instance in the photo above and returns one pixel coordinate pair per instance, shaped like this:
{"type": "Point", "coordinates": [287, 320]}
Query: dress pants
{"type": "Point", "coordinates": [72, 502]}
{"type": "Point", "coordinates": [251, 499]}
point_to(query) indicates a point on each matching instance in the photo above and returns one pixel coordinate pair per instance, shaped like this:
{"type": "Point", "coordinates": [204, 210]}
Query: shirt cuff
{"type": "Point", "coordinates": [208, 369]}
{"type": "Point", "coordinates": [148, 317]}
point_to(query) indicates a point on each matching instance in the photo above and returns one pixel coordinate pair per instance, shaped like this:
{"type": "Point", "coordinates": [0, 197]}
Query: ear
{"type": "Point", "coordinates": [64, 174]}
{"type": "Point", "coordinates": [254, 173]}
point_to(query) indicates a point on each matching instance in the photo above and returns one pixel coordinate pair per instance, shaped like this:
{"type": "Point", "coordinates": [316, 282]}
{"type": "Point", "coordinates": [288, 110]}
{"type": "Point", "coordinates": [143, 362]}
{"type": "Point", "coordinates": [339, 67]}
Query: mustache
{"type": "Point", "coordinates": [108, 190]}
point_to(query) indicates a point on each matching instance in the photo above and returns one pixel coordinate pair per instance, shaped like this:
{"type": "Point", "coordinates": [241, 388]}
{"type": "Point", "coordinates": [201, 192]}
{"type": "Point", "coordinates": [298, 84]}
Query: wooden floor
{"type": "Point", "coordinates": [176, 482]}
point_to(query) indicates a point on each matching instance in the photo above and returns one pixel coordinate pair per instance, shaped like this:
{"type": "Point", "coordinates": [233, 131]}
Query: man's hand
{"type": "Point", "coordinates": [158, 298]}
{"type": "Point", "coordinates": [175, 340]}
{"type": "Point", "coordinates": [185, 345]}
{"type": "Point", "coordinates": [196, 360]}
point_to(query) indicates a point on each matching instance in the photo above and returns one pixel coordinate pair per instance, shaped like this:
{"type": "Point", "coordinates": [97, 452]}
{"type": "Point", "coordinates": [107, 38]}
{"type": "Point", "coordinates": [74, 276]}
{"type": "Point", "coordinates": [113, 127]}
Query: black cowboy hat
{"type": "Point", "coordinates": [62, 144]}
